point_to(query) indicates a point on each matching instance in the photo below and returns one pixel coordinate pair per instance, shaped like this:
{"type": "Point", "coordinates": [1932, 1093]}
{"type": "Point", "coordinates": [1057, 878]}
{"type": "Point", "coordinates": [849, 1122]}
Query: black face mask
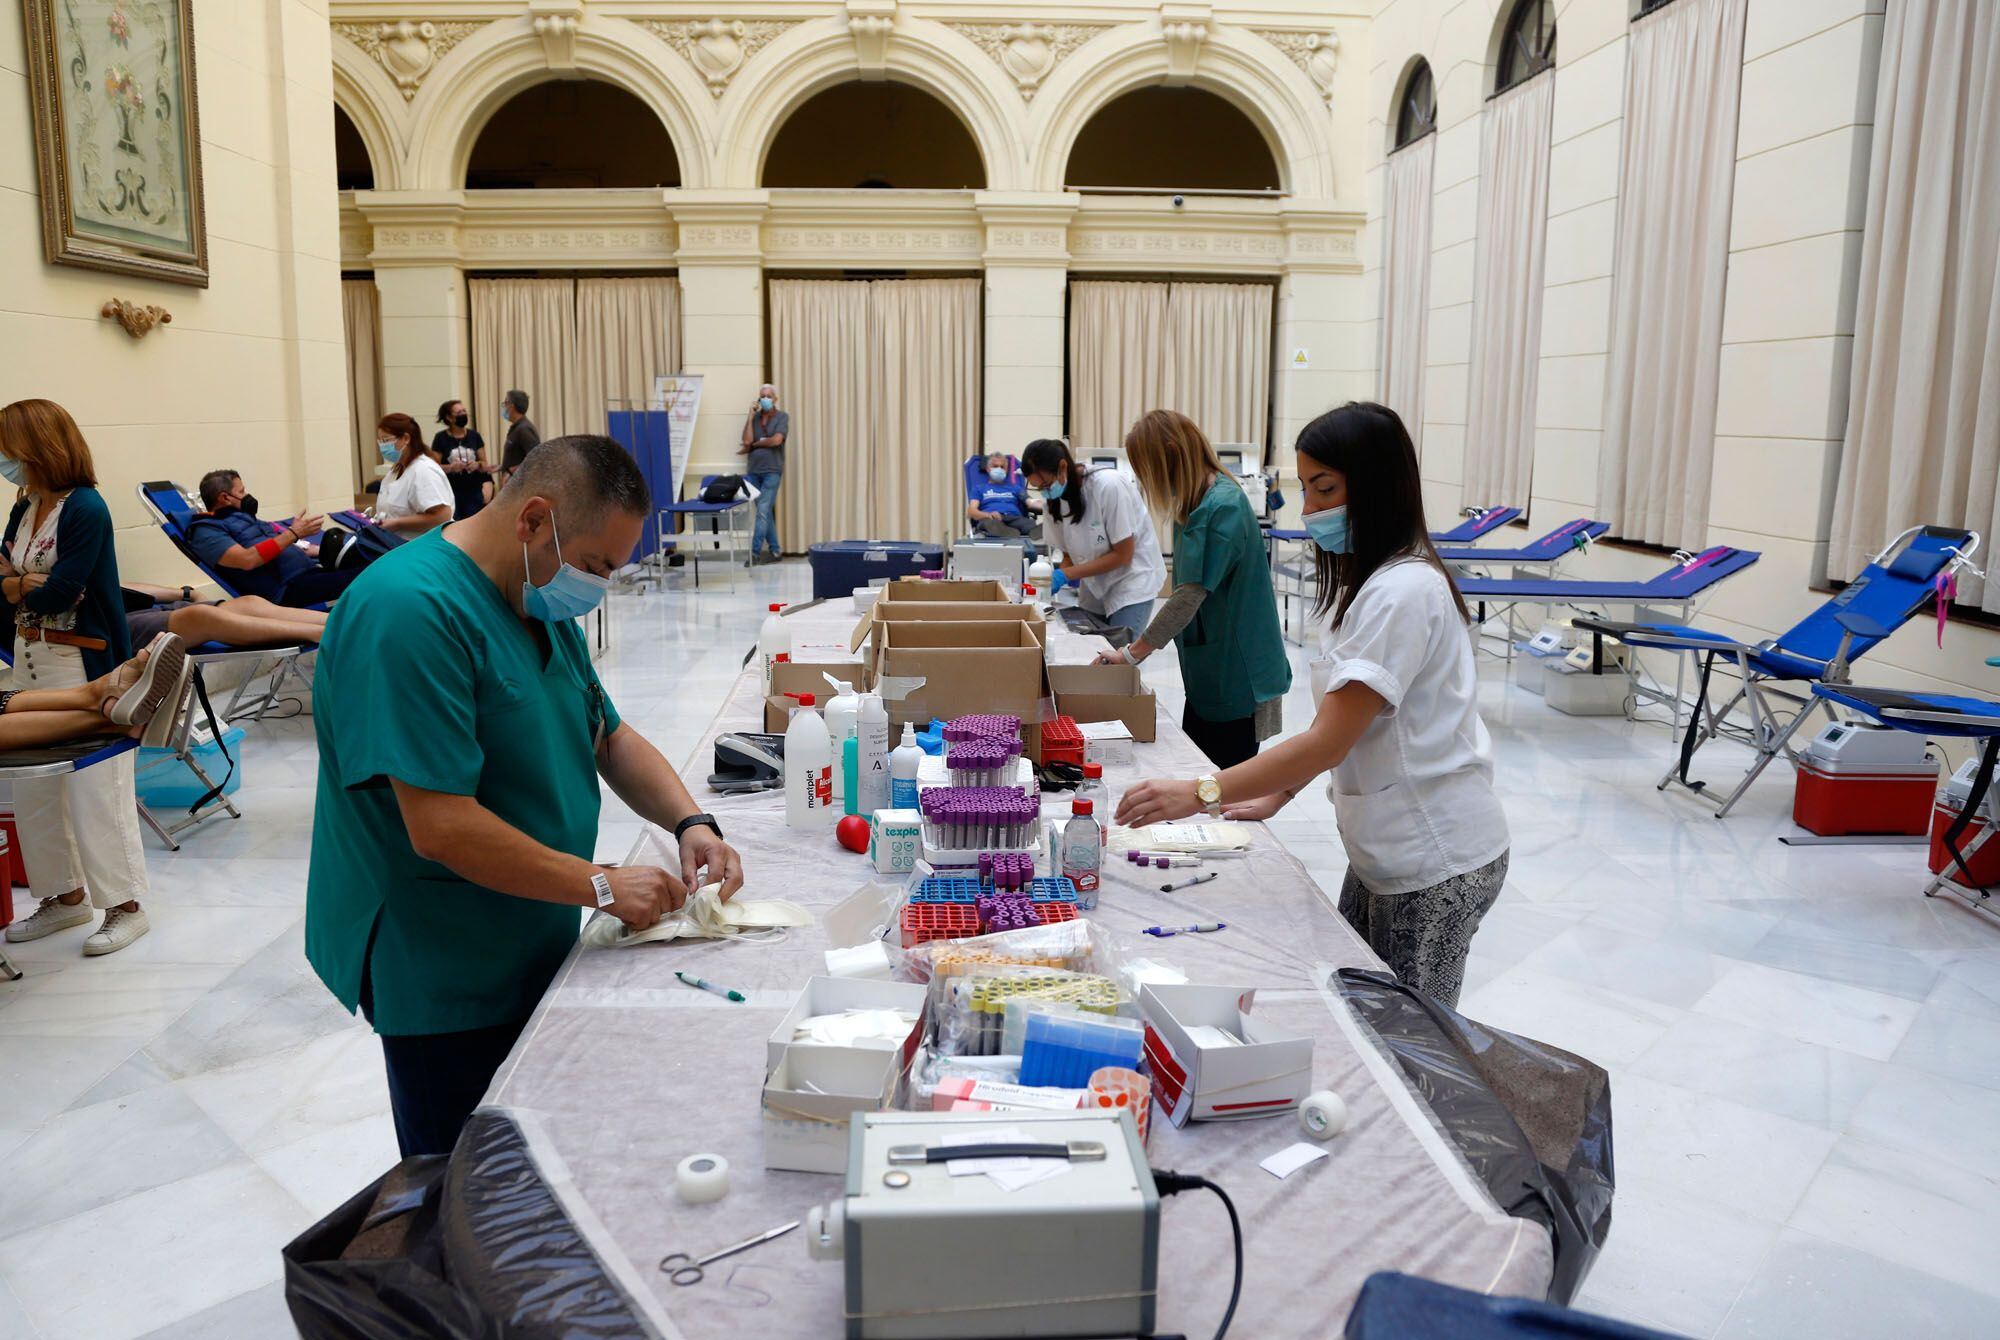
{"type": "Point", "coordinates": [249, 504]}
{"type": "Point", "coordinates": [460, 420]}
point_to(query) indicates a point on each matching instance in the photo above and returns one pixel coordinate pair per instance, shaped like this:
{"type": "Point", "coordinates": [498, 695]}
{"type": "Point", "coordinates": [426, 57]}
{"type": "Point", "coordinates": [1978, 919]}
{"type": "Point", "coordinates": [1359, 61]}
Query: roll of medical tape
{"type": "Point", "coordinates": [701, 1178]}
{"type": "Point", "coordinates": [1323, 1115]}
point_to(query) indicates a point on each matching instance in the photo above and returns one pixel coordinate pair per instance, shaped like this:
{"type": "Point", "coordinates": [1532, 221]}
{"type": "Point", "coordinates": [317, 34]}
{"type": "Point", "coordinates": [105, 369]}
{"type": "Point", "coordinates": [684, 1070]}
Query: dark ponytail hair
{"type": "Point", "coordinates": [444, 412]}
{"type": "Point", "coordinates": [1045, 456]}
{"type": "Point", "coordinates": [1368, 444]}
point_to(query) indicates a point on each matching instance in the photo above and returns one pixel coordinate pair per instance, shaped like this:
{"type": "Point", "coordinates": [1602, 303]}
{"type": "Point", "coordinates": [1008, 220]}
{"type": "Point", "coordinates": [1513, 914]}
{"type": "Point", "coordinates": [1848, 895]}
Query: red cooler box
{"type": "Point", "coordinates": [1865, 779]}
{"type": "Point", "coordinates": [1984, 863]}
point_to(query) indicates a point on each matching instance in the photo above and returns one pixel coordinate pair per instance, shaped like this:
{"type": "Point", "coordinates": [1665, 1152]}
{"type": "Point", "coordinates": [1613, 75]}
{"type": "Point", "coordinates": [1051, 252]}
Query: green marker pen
{"type": "Point", "coordinates": [701, 985]}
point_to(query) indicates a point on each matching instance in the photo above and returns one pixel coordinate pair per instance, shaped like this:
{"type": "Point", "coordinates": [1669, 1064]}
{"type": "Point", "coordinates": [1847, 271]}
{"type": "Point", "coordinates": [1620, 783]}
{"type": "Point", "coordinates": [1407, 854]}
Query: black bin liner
{"type": "Point", "coordinates": [1533, 1121]}
{"type": "Point", "coordinates": [1403, 1307]}
{"type": "Point", "coordinates": [471, 1247]}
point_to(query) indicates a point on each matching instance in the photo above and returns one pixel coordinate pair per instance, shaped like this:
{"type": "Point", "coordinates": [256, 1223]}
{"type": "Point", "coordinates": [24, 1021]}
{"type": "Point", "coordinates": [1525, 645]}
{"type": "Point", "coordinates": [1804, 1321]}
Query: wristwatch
{"type": "Point", "coordinates": [600, 884]}
{"type": "Point", "coordinates": [681, 828]}
{"type": "Point", "coordinates": [1209, 792]}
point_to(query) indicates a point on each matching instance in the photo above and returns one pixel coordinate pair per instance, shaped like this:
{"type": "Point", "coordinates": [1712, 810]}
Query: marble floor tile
{"type": "Point", "coordinates": [1674, 1263]}
{"type": "Point", "coordinates": [1877, 967]}
{"type": "Point", "coordinates": [324, 1170]}
{"type": "Point", "coordinates": [1908, 1209]}
{"type": "Point", "coordinates": [1820, 1086]}
{"type": "Point", "coordinates": [1953, 1042]}
{"type": "Point", "coordinates": [40, 1076]}
{"type": "Point", "coordinates": [1713, 1149]}
{"type": "Point", "coordinates": [14, 1323]}
{"type": "Point", "coordinates": [1807, 1286]}
{"type": "Point", "coordinates": [330, 1082]}
{"type": "Point", "coordinates": [1664, 971]}
{"type": "Point", "coordinates": [260, 1314]}
{"type": "Point", "coordinates": [1968, 979]}
{"type": "Point", "coordinates": [182, 1248]}
{"type": "Point", "coordinates": [1605, 1026]}
{"type": "Point", "coordinates": [1943, 1118]}
{"type": "Point", "coordinates": [1811, 1009]}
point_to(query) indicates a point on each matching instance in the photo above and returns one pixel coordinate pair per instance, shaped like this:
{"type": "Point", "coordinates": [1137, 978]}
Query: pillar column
{"type": "Point", "coordinates": [1322, 314]}
{"type": "Point", "coordinates": [720, 254]}
{"type": "Point", "coordinates": [426, 334]}
{"type": "Point", "coordinates": [1027, 282]}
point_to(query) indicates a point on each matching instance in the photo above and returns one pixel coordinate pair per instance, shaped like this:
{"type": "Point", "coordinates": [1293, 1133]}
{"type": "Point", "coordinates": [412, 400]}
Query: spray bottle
{"type": "Point", "coordinates": [872, 765]}
{"type": "Point", "coordinates": [808, 768]}
{"type": "Point", "coordinates": [843, 712]}
{"type": "Point", "coordinates": [903, 770]}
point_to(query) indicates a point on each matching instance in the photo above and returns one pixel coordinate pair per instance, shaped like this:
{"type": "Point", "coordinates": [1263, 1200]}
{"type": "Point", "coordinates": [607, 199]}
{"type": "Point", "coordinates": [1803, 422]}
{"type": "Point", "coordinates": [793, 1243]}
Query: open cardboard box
{"type": "Point", "coordinates": [833, 995]}
{"type": "Point", "coordinates": [810, 1095]}
{"type": "Point", "coordinates": [799, 677]}
{"type": "Point", "coordinates": [1106, 693]}
{"type": "Point", "coordinates": [1268, 1073]}
{"type": "Point", "coordinates": [914, 589]}
{"type": "Point", "coordinates": [947, 670]}
{"type": "Point", "coordinates": [948, 612]}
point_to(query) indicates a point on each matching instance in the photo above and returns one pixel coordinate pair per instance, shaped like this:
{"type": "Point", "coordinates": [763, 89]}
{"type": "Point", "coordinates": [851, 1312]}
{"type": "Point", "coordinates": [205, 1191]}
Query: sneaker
{"type": "Point", "coordinates": [768, 558]}
{"type": "Point", "coordinates": [159, 677]}
{"type": "Point", "coordinates": [120, 928]}
{"type": "Point", "coordinates": [52, 916]}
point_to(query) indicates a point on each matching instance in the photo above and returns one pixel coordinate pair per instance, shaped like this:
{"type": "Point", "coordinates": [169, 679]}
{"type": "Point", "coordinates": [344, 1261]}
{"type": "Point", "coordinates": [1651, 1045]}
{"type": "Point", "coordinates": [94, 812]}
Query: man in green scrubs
{"type": "Point", "coordinates": [462, 732]}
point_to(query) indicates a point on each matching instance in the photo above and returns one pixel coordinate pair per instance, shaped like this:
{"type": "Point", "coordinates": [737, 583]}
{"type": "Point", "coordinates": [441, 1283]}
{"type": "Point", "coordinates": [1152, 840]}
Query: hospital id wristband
{"type": "Point", "coordinates": [600, 884]}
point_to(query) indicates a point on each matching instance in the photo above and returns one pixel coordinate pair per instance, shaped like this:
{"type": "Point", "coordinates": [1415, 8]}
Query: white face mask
{"type": "Point", "coordinates": [704, 917]}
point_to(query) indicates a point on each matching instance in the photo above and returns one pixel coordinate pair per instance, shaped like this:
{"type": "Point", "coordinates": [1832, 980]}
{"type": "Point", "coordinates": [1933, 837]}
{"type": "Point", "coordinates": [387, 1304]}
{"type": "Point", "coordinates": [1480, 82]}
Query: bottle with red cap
{"type": "Point", "coordinates": [1092, 790]}
{"type": "Point", "coordinates": [773, 637]}
{"type": "Point", "coordinates": [808, 767]}
{"type": "Point", "coordinates": [1082, 853]}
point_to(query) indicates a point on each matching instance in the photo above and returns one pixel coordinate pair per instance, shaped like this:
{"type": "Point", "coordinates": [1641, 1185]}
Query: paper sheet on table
{"type": "Point", "coordinates": [1292, 1158]}
{"type": "Point", "coordinates": [1007, 1174]}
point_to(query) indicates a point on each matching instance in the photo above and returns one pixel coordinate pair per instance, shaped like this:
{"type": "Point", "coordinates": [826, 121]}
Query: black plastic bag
{"type": "Point", "coordinates": [1533, 1121]}
{"type": "Point", "coordinates": [1403, 1307]}
{"type": "Point", "coordinates": [473, 1247]}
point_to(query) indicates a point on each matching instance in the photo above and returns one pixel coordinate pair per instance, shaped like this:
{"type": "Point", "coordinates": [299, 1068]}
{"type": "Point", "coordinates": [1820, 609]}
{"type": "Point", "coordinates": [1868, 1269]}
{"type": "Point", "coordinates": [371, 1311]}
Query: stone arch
{"type": "Point", "coordinates": [482, 73]}
{"type": "Point", "coordinates": [364, 93]}
{"type": "Point", "coordinates": [815, 56]}
{"type": "Point", "coordinates": [1415, 66]}
{"type": "Point", "coordinates": [1275, 94]}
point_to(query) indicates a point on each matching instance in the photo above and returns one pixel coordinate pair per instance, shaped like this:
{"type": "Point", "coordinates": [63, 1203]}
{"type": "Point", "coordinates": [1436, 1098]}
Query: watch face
{"type": "Point", "coordinates": [1209, 790]}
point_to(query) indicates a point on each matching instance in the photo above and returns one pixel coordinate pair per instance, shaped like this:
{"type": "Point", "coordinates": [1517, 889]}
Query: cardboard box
{"type": "Point", "coordinates": [810, 1096]}
{"type": "Point", "coordinates": [917, 589]}
{"type": "Point", "coordinates": [831, 995]}
{"type": "Point", "coordinates": [1107, 693]}
{"type": "Point", "coordinates": [951, 670]}
{"type": "Point", "coordinates": [1268, 1073]}
{"type": "Point", "coordinates": [948, 613]}
{"type": "Point", "coordinates": [894, 839]}
{"type": "Point", "coordinates": [798, 677]}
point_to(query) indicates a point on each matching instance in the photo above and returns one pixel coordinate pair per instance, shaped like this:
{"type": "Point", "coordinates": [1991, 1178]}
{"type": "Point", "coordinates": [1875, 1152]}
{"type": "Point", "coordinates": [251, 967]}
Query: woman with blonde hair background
{"type": "Point", "coordinates": [1221, 614]}
{"type": "Point", "coordinates": [63, 611]}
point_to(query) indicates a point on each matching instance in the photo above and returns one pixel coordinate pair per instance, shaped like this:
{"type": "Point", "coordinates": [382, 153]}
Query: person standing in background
{"type": "Point", "coordinates": [764, 434]}
{"type": "Point", "coordinates": [462, 450]}
{"type": "Point", "coordinates": [522, 435]}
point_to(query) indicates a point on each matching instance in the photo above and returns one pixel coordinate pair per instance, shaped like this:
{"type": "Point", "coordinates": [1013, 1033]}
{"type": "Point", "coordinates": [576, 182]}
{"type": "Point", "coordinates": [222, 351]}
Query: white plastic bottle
{"type": "Point", "coordinates": [773, 637]}
{"type": "Point", "coordinates": [873, 767]}
{"type": "Point", "coordinates": [808, 769]}
{"type": "Point", "coordinates": [1082, 852]}
{"type": "Point", "coordinates": [1092, 790]}
{"type": "Point", "coordinates": [1041, 572]}
{"type": "Point", "coordinates": [903, 770]}
{"type": "Point", "coordinates": [843, 712]}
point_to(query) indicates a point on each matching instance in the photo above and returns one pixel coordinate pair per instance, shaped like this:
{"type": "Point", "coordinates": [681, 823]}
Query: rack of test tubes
{"type": "Point", "coordinates": [978, 1006]}
{"type": "Point", "coordinates": [960, 822]}
{"type": "Point", "coordinates": [982, 726]}
{"type": "Point", "coordinates": [1064, 1050]}
{"type": "Point", "coordinates": [942, 908]}
{"type": "Point", "coordinates": [1062, 741]}
{"type": "Point", "coordinates": [981, 762]}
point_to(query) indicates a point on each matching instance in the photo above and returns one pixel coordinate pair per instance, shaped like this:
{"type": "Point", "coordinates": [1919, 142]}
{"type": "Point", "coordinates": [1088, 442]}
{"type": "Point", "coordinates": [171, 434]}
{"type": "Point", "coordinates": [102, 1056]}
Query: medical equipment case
{"type": "Point", "coordinates": [1864, 779]}
{"type": "Point", "coordinates": [937, 1249]}
{"type": "Point", "coordinates": [1984, 862]}
{"type": "Point", "coordinates": [839, 566]}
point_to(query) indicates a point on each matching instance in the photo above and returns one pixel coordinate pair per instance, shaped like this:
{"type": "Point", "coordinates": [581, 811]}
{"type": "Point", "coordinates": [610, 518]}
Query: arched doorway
{"type": "Point", "coordinates": [1180, 139]}
{"type": "Point", "coordinates": [874, 136]}
{"type": "Point", "coordinates": [353, 170]}
{"type": "Point", "coordinates": [572, 134]}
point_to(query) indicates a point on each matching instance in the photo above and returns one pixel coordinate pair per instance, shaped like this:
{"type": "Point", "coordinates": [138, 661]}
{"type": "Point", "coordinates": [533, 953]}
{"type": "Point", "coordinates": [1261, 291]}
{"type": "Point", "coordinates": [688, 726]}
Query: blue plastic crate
{"type": "Point", "coordinates": [1053, 889]}
{"type": "Point", "coordinates": [163, 782]}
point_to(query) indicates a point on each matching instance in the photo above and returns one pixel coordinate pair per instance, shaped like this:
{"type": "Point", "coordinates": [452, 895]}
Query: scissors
{"type": "Point", "coordinates": [688, 1270]}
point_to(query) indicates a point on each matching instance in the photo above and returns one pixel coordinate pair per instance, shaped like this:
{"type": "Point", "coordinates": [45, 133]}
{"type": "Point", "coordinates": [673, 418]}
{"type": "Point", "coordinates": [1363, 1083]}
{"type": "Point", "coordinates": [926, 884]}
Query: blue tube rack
{"type": "Point", "coordinates": [961, 889]}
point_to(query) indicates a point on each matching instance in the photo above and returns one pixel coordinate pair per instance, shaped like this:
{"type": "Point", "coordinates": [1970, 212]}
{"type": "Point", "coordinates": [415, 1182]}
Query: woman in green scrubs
{"type": "Point", "coordinates": [1221, 614]}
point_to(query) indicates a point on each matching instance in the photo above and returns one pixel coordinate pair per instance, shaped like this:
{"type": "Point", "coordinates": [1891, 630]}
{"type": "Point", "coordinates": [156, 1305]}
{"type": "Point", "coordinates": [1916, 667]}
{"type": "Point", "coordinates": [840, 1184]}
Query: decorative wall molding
{"type": "Point", "coordinates": [408, 49]}
{"type": "Point", "coordinates": [1235, 249]}
{"type": "Point", "coordinates": [717, 48]}
{"type": "Point", "coordinates": [872, 22]}
{"type": "Point", "coordinates": [139, 319]}
{"type": "Point", "coordinates": [1185, 26]}
{"type": "Point", "coordinates": [1318, 54]}
{"type": "Point", "coordinates": [1028, 52]}
{"type": "Point", "coordinates": [554, 23]}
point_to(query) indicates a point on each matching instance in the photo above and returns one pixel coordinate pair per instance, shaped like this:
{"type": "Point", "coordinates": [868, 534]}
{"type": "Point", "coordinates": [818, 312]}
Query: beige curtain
{"type": "Point", "coordinates": [1923, 415]}
{"type": "Point", "coordinates": [1507, 294]}
{"type": "Point", "coordinates": [361, 315]}
{"type": "Point", "coordinates": [1683, 74]}
{"type": "Point", "coordinates": [1203, 349]}
{"type": "Point", "coordinates": [524, 337]}
{"type": "Point", "coordinates": [628, 331]}
{"type": "Point", "coordinates": [881, 378]}
{"type": "Point", "coordinates": [1406, 280]}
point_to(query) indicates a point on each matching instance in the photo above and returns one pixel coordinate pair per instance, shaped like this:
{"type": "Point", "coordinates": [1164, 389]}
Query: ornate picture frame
{"type": "Point", "coordinates": [118, 136]}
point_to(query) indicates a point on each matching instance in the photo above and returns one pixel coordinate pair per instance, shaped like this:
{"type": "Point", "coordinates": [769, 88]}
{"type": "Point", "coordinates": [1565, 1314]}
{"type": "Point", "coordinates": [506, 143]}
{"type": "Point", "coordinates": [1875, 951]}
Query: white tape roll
{"type": "Point", "coordinates": [1323, 1115]}
{"type": "Point", "coordinates": [701, 1178]}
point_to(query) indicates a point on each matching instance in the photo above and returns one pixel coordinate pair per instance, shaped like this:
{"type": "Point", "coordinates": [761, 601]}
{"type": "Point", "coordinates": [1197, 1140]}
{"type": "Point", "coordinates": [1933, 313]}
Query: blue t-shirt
{"type": "Point", "coordinates": [1004, 499]}
{"type": "Point", "coordinates": [211, 536]}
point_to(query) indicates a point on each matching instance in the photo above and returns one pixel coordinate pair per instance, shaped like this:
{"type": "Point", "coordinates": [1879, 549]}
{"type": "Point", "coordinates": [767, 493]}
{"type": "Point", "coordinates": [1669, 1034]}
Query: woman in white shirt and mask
{"type": "Point", "coordinates": [1398, 724]}
{"type": "Point", "coordinates": [416, 493]}
{"type": "Point", "coordinates": [1111, 552]}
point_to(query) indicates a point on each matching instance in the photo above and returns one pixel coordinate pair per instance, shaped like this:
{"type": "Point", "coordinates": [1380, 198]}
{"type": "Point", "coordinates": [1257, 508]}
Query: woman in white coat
{"type": "Point", "coordinates": [1398, 728]}
{"type": "Point", "coordinates": [1111, 553]}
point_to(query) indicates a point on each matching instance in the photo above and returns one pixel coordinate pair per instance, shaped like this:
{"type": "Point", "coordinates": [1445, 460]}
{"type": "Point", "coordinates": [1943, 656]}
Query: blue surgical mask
{"type": "Point", "coordinates": [390, 451]}
{"type": "Point", "coordinates": [14, 472]}
{"type": "Point", "coordinates": [998, 474]}
{"type": "Point", "coordinates": [570, 594]}
{"type": "Point", "coordinates": [766, 403]}
{"type": "Point", "coordinates": [1054, 490]}
{"type": "Point", "coordinates": [1329, 530]}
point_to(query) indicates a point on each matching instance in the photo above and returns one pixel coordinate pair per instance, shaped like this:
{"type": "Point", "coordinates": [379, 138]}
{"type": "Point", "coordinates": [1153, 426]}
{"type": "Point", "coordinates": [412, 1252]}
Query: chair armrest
{"type": "Point", "coordinates": [1861, 625]}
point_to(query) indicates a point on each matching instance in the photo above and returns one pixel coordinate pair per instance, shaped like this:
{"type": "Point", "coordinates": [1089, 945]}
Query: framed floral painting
{"type": "Point", "coordinates": [117, 139]}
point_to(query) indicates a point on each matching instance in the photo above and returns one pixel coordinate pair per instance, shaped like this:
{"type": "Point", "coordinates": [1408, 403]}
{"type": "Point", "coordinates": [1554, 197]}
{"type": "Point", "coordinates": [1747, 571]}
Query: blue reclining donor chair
{"type": "Point", "coordinates": [1894, 588]}
{"type": "Point", "coordinates": [1478, 521]}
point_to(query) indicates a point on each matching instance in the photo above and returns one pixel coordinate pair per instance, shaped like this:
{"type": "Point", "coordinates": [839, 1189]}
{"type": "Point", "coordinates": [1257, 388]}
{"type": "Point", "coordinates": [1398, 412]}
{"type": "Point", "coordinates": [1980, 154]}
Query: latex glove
{"type": "Point", "coordinates": [1058, 582]}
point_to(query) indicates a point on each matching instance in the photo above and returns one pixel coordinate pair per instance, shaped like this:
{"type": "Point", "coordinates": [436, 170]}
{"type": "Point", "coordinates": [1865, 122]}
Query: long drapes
{"type": "Point", "coordinates": [1406, 280]}
{"type": "Point", "coordinates": [628, 331]}
{"type": "Point", "coordinates": [1201, 348]}
{"type": "Point", "coordinates": [524, 338]}
{"type": "Point", "coordinates": [1507, 294]}
{"type": "Point", "coordinates": [1684, 74]}
{"type": "Point", "coordinates": [1923, 416]}
{"type": "Point", "coordinates": [361, 318]}
{"type": "Point", "coordinates": [881, 378]}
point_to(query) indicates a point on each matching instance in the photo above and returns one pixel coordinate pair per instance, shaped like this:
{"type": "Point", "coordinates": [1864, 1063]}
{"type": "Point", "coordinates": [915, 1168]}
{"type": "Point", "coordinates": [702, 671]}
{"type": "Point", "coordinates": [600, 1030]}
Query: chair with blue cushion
{"type": "Point", "coordinates": [1896, 586]}
{"type": "Point", "coordinates": [1478, 521]}
{"type": "Point", "coordinates": [716, 514]}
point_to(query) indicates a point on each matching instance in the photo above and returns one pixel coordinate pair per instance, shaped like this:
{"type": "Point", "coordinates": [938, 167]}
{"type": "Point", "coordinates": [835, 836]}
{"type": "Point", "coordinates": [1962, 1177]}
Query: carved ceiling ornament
{"type": "Point", "coordinates": [1184, 25]}
{"type": "Point", "coordinates": [1028, 52]}
{"type": "Point", "coordinates": [409, 49]}
{"type": "Point", "coordinates": [717, 48]}
{"type": "Point", "coordinates": [872, 22]}
{"type": "Point", "coordinates": [1316, 53]}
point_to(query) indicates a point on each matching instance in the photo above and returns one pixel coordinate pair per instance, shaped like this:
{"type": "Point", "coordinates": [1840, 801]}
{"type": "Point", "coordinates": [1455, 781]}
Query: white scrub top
{"type": "Point", "coordinates": [1112, 510]}
{"type": "Point", "coordinates": [422, 487]}
{"type": "Point", "coordinates": [1414, 797]}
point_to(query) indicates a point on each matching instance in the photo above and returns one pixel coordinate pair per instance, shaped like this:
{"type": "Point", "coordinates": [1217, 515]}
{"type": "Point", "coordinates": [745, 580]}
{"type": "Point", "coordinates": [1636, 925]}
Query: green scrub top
{"type": "Point", "coordinates": [428, 676]}
{"type": "Point", "coordinates": [1233, 651]}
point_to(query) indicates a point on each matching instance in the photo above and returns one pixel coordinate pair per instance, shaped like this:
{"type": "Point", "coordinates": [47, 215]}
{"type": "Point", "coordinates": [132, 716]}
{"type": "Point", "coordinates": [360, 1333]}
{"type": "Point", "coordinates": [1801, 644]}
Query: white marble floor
{"type": "Point", "coordinates": [1805, 1054]}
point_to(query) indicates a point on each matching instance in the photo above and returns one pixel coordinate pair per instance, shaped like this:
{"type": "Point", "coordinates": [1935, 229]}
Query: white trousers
{"type": "Point", "coordinates": [80, 831]}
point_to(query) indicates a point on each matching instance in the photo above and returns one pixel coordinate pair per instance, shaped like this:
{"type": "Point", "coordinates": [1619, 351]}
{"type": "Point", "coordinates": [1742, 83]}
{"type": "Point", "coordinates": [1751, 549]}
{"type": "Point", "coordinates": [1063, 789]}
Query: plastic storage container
{"type": "Point", "coordinates": [1864, 779]}
{"type": "Point", "coordinates": [1985, 862]}
{"type": "Point", "coordinates": [163, 782]}
{"type": "Point", "coordinates": [1064, 1051]}
{"type": "Point", "coordinates": [840, 566]}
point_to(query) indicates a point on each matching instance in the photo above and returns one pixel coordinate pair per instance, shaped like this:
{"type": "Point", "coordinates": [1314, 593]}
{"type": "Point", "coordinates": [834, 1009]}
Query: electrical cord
{"type": "Point", "coordinates": [1172, 1184]}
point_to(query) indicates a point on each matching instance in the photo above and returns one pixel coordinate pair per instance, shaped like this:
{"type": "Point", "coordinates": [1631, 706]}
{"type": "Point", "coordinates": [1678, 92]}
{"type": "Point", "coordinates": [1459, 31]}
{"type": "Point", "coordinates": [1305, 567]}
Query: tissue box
{"type": "Point", "coordinates": [810, 1096]}
{"type": "Point", "coordinates": [1266, 1074]}
{"type": "Point", "coordinates": [831, 995]}
{"type": "Point", "coordinates": [894, 837]}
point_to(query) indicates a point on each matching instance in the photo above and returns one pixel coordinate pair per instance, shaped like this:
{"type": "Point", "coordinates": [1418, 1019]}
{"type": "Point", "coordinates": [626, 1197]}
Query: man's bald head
{"type": "Point", "coordinates": [583, 477]}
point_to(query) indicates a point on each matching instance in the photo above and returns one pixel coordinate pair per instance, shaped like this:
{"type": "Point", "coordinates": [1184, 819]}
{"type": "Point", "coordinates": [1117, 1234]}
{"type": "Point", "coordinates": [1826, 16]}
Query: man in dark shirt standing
{"type": "Point", "coordinates": [522, 435]}
{"type": "Point", "coordinates": [764, 434]}
{"type": "Point", "coordinates": [262, 559]}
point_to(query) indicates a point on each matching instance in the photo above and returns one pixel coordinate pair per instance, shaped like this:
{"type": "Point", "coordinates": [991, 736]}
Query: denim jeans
{"type": "Point", "coordinates": [765, 536]}
{"type": "Point", "coordinates": [1135, 617]}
